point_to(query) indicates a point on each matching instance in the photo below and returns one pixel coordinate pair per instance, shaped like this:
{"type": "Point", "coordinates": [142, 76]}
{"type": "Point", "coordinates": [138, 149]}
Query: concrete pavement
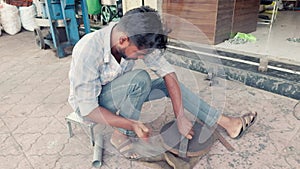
{"type": "Point", "coordinates": [34, 89]}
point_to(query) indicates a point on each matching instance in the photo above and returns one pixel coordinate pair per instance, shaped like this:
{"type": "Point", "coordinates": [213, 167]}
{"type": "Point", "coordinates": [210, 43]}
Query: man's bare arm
{"type": "Point", "coordinates": [104, 116]}
{"type": "Point", "coordinates": [173, 86]}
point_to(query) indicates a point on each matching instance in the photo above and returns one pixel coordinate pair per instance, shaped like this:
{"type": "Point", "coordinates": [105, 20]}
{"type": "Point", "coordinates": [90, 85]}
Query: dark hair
{"type": "Point", "coordinates": [144, 28]}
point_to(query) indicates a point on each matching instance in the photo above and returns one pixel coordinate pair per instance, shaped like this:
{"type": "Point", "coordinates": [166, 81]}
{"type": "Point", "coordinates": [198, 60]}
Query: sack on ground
{"type": "Point", "coordinates": [10, 19]}
{"type": "Point", "coordinates": [1, 6]}
{"type": "Point", "coordinates": [27, 15]}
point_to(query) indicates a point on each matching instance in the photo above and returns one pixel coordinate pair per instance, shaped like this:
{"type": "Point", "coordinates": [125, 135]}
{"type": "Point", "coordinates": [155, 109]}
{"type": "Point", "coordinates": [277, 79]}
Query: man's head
{"type": "Point", "coordinates": [144, 29]}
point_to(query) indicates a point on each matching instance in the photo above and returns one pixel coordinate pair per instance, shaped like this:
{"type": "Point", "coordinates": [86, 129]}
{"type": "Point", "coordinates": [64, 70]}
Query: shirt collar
{"type": "Point", "coordinates": [107, 38]}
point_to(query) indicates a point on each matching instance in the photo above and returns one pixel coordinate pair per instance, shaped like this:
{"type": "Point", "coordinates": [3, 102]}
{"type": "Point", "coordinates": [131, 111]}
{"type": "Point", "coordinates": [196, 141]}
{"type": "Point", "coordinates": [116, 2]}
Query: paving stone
{"type": "Point", "coordinates": [14, 162]}
{"type": "Point", "coordinates": [23, 89]}
{"type": "Point", "coordinates": [32, 125]}
{"type": "Point", "coordinates": [118, 162]}
{"type": "Point", "coordinates": [4, 108]}
{"type": "Point", "coordinates": [44, 161]}
{"type": "Point", "coordinates": [9, 146]}
{"type": "Point", "coordinates": [64, 110]}
{"type": "Point", "coordinates": [35, 79]}
{"type": "Point", "coordinates": [81, 134]}
{"type": "Point", "coordinates": [45, 88]}
{"type": "Point", "coordinates": [3, 127]}
{"type": "Point", "coordinates": [27, 140]}
{"type": "Point", "coordinates": [59, 95]}
{"type": "Point", "coordinates": [75, 161]}
{"type": "Point", "coordinates": [34, 98]}
{"type": "Point", "coordinates": [76, 147]}
{"type": "Point", "coordinates": [144, 165]}
{"type": "Point", "coordinates": [153, 110]}
{"type": "Point", "coordinates": [55, 126]}
{"type": "Point", "coordinates": [66, 82]}
{"type": "Point", "coordinates": [45, 110]}
{"type": "Point", "coordinates": [17, 68]}
{"type": "Point", "coordinates": [6, 66]}
{"type": "Point", "coordinates": [48, 144]}
{"type": "Point", "coordinates": [20, 110]}
{"type": "Point", "coordinates": [4, 76]}
{"type": "Point", "coordinates": [293, 161]}
{"type": "Point", "coordinates": [20, 77]}
{"type": "Point", "coordinates": [282, 139]}
{"type": "Point", "coordinates": [5, 89]}
{"type": "Point", "coordinates": [13, 123]}
{"type": "Point", "coordinates": [202, 164]}
{"type": "Point", "coordinates": [58, 76]}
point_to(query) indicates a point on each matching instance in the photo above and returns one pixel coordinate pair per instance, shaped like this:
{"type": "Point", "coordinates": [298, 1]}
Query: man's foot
{"type": "Point", "coordinates": [123, 145]}
{"type": "Point", "coordinates": [244, 122]}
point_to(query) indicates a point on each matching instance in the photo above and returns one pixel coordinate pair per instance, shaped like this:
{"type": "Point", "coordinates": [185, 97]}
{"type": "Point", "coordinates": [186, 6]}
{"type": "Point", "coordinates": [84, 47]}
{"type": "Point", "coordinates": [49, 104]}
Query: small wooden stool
{"type": "Point", "coordinates": [75, 118]}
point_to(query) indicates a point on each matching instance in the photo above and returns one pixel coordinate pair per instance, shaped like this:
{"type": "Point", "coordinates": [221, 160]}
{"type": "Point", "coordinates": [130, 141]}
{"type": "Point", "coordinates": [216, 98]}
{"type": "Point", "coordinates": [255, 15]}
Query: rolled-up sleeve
{"type": "Point", "coordinates": [86, 83]}
{"type": "Point", "coordinates": [158, 63]}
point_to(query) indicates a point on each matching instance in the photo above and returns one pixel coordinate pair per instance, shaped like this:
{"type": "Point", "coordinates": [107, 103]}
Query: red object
{"type": "Point", "coordinates": [19, 2]}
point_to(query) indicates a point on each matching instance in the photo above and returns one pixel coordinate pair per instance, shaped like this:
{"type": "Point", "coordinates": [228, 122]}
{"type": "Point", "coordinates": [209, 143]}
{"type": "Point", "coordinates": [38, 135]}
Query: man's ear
{"type": "Point", "coordinates": [124, 40]}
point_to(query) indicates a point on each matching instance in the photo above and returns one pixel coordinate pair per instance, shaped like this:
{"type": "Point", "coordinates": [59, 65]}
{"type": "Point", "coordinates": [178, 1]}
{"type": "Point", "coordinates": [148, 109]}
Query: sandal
{"type": "Point", "coordinates": [126, 149]}
{"type": "Point", "coordinates": [248, 120]}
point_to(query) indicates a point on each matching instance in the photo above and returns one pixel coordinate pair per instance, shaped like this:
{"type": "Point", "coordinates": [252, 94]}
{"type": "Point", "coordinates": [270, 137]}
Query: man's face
{"type": "Point", "coordinates": [132, 52]}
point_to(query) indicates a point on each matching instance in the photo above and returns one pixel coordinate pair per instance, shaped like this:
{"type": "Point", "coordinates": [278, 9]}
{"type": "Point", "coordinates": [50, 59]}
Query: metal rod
{"type": "Point", "coordinates": [98, 150]}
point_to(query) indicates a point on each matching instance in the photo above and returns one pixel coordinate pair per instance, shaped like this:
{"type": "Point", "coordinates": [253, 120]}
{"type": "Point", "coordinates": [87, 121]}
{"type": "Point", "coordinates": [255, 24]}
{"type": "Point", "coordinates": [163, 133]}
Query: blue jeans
{"type": "Point", "coordinates": [128, 93]}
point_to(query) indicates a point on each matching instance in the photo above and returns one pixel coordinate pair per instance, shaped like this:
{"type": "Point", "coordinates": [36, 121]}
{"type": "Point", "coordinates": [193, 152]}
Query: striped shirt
{"type": "Point", "coordinates": [93, 66]}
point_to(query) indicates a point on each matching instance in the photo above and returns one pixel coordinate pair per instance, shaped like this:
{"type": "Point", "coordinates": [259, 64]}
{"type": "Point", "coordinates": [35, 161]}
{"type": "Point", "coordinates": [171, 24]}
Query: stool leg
{"type": "Point", "coordinates": [92, 137]}
{"type": "Point", "coordinates": [70, 128]}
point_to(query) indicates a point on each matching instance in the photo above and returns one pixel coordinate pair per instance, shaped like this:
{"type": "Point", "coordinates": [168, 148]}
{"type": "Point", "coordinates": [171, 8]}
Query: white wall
{"type": "Point", "coordinates": [130, 4]}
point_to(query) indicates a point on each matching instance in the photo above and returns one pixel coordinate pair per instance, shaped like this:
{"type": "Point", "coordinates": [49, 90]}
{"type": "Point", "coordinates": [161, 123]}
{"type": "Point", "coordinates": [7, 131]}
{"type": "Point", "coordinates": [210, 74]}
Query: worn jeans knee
{"type": "Point", "coordinates": [140, 82]}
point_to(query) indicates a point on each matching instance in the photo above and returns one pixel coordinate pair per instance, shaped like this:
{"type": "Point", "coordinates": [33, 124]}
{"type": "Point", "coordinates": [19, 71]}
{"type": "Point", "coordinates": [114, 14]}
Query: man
{"type": "Point", "coordinates": [105, 89]}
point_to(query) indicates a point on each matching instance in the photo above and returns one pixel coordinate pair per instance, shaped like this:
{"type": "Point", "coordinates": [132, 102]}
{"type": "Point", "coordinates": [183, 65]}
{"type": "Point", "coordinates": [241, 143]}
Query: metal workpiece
{"type": "Point", "coordinates": [98, 151]}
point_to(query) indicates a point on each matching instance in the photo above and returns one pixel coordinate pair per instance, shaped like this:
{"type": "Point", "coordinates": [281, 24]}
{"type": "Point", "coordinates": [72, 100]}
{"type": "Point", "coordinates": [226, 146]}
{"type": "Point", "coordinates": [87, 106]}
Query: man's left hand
{"type": "Point", "coordinates": [185, 126]}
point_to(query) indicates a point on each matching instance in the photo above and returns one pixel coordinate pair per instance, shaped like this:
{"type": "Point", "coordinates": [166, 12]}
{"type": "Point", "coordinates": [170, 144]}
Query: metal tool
{"type": "Point", "coordinates": [211, 77]}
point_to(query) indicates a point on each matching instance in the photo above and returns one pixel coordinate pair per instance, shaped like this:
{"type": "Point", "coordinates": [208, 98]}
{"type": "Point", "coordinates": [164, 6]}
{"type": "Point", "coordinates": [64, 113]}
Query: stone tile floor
{"type": "Point", "coordinates": [33, 104]}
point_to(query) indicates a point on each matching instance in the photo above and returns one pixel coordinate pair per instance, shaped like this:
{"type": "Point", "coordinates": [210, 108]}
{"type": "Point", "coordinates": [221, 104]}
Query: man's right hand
{"type": "Point", "coordinates": [104, 116]}
{"type": "Point", "coordinates": [141, 130]}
